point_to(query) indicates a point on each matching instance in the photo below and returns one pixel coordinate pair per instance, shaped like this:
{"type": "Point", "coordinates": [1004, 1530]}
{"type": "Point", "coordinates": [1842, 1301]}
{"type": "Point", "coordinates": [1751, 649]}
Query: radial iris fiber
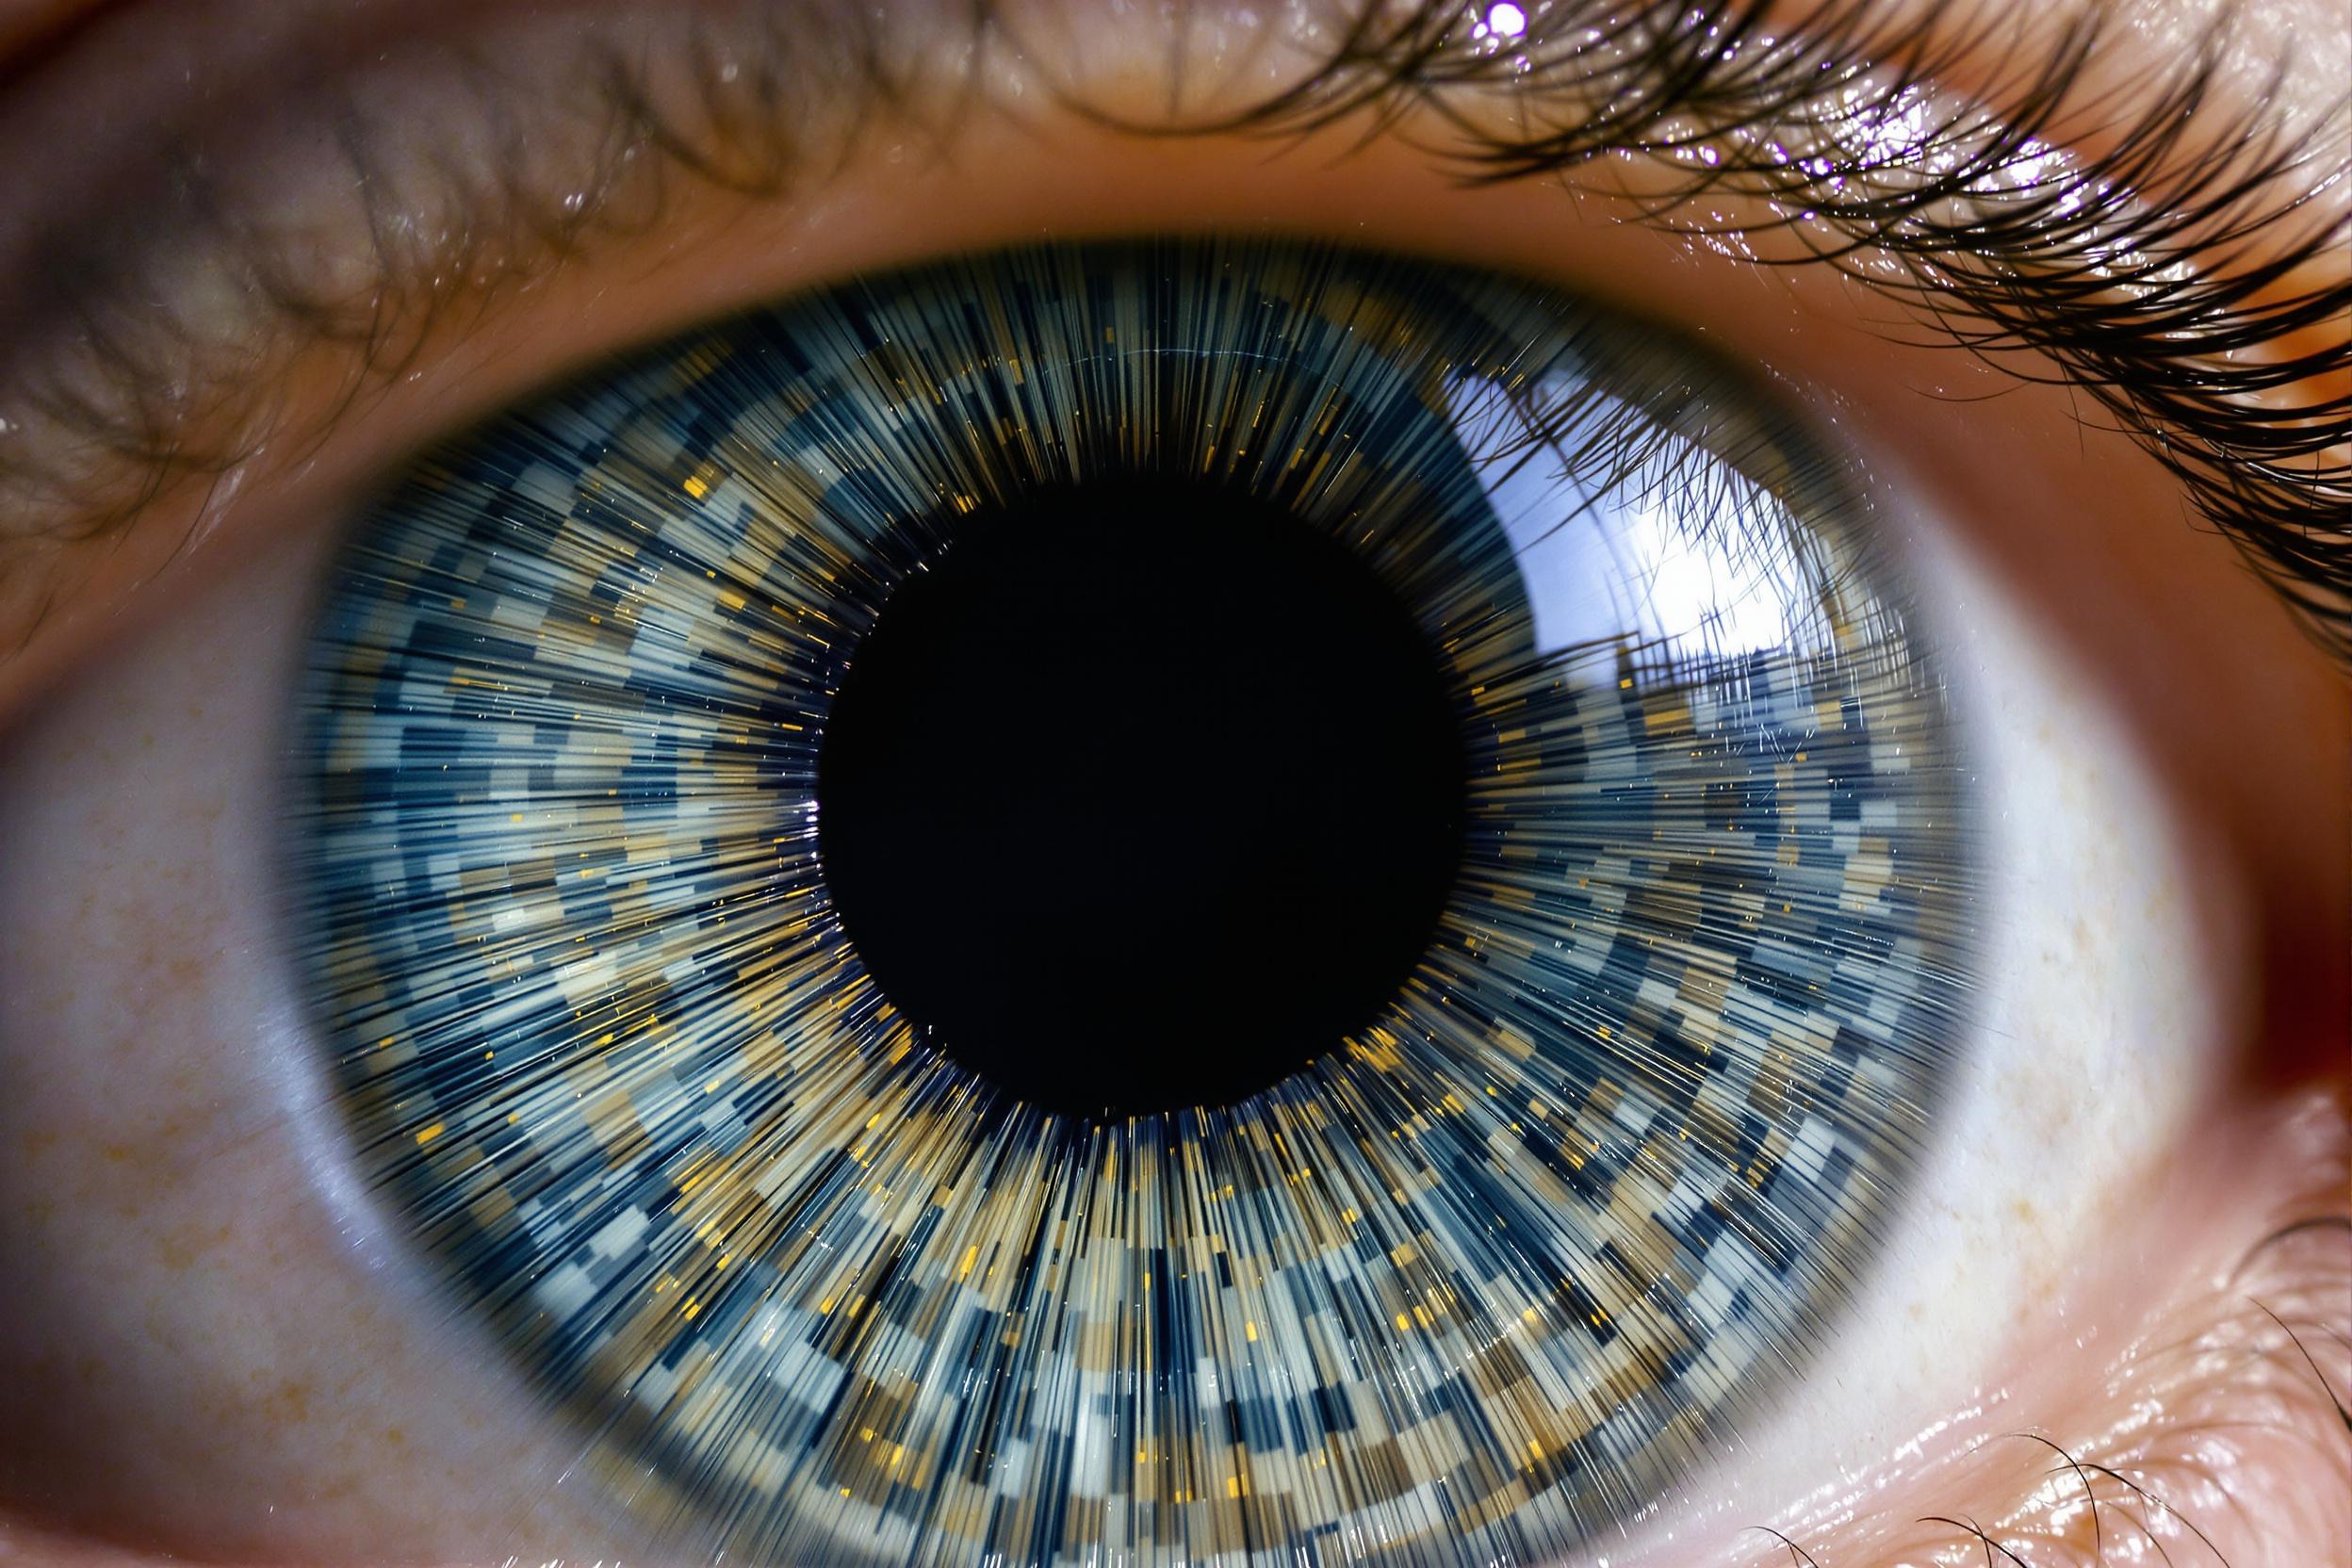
{"type": "Point", "coordinates": [1485, 1275]}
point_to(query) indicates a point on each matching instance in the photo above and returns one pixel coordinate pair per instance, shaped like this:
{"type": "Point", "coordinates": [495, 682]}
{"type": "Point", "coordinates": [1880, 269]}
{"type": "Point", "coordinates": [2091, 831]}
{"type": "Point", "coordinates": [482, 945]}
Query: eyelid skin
{"type": "Point", "coordinates": [329, 253]}
{"type": "Point", "coordinates": [2173, 628]}
{"type": "Point", "coordinates": [27, 27]}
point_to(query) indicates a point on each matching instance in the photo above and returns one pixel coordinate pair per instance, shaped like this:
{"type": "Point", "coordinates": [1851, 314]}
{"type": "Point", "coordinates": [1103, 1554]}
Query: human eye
{"type": "Point", "coordinates": [428, 617]}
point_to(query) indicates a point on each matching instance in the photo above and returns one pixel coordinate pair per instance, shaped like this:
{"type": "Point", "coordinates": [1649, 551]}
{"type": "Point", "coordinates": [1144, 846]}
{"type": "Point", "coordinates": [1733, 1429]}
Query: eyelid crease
{"type": "Point", "coordinates": [2177, 289]}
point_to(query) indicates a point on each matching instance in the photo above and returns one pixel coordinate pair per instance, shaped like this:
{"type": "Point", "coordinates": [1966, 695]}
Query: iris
{"type": "Point", "coordinates": [1135, 903]}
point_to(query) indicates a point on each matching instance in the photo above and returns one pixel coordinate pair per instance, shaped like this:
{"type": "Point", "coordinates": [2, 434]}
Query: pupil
{"type": "Point", "coordinates": [1140, 797]}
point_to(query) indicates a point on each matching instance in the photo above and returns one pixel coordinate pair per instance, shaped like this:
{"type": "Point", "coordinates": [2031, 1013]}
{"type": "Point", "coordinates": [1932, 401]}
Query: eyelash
{"type": "Point", "coordinates": [2081, 262]}
{"type": "Point", "coordinates": [2092, 262]}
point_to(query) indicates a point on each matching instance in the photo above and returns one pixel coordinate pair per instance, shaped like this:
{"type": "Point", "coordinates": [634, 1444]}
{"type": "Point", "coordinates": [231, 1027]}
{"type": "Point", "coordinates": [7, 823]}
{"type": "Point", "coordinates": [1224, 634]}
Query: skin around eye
{"type": "Point", "coordinates": [2211, 796]}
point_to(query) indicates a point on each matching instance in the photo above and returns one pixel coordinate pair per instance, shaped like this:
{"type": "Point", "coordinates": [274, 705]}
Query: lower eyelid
{"type": "Point", "coordinates": [2197, 1407]}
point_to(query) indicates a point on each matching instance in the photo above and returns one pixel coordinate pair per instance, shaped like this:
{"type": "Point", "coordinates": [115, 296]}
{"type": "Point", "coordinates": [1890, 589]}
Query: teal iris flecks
{"type": "Point", "coordinates": [1485, 1275]}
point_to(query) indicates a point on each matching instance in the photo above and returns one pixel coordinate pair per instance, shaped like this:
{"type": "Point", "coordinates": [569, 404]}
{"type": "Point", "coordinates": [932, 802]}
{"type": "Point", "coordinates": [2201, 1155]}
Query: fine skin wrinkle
{"type": "Point", "coordinates": [2171, 1387]}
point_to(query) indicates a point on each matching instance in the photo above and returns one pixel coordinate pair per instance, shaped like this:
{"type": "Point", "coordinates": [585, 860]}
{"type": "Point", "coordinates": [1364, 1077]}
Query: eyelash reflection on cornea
{"type": "Point", "coordinates": [2133, 271]}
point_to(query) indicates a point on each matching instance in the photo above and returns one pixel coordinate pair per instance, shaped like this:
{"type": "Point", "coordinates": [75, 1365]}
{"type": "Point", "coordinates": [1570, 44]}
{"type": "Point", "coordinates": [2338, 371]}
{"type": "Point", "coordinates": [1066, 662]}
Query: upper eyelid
{"type": "Point", "coordinates": [2007, 241]}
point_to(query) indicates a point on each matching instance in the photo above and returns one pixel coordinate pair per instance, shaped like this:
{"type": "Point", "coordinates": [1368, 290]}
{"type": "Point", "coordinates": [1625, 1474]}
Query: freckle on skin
{"type": "Point", "coordinates": [181, 1247]}
{"type": "Point", "coordinates": [289, 1403]}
